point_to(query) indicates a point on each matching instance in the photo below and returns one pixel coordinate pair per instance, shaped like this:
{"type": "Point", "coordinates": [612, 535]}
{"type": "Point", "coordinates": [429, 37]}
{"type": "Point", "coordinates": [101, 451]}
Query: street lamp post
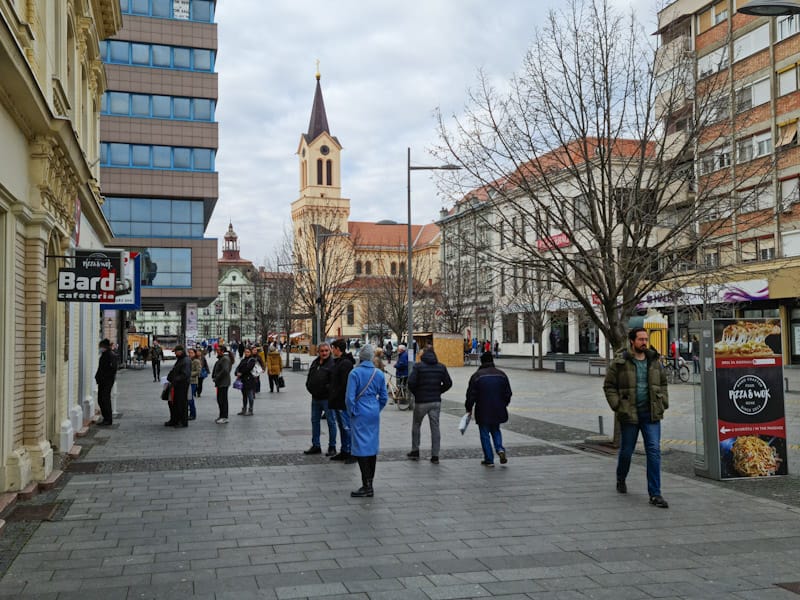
{"type": "Point", "coordinates": [319, 239]}
{"type": "Point", "coordinates": [409, 270]}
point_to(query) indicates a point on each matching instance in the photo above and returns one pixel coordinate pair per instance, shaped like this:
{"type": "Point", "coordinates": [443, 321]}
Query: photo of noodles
{"type": "Point", "coordinates": [753, 457]}
{"type": "Point", "coordinates": [746, 338]}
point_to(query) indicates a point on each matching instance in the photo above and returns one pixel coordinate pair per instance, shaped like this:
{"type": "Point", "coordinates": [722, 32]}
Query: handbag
{"type": "Point", "coordinates": [462, 426]}
{"type": "Point", "coordinates": [257, 370]}
{"type": "Point", "coordinates": [281, 382]}
{"type": "Point", "coordinates": [166, 392]}
{"type": "Point", "coordinates": [203, 373]}
{"type": "Point", "coordinates": [238, 385]}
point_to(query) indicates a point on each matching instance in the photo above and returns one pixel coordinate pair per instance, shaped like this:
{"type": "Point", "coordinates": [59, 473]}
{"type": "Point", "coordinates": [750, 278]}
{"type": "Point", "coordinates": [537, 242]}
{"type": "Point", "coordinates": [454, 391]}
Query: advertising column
{"type": "Point", "coordinates": [751, 421]}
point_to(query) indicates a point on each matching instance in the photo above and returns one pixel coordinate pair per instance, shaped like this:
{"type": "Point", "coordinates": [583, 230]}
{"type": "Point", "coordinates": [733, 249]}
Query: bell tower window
{"type": "Point", "coordinates": [329, 172]}
{"type": "Point", "coordinates": [319, 171]}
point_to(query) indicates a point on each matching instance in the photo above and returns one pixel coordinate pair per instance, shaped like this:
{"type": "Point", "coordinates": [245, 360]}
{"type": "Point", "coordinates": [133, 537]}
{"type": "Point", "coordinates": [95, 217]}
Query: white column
{"type": "Point", "coordinates": [572, 331]}
{"type": "Point", "coordinates": [601, 343]}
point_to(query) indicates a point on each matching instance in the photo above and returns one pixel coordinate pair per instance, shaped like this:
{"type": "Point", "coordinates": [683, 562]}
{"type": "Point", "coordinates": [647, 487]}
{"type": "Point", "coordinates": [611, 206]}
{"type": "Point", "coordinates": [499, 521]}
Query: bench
{"type": "Point", "coordinates": [471, 359]}
{"type": "Point", "coordinates": [597, 363]}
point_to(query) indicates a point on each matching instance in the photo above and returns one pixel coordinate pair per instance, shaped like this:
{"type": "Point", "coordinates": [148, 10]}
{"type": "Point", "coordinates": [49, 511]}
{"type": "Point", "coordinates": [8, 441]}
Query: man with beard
{"type": "Point", "coordinates": [343, 364]}
{"type": "Point", "coordinates": [318, 385]}
{"type": "Point", "coordinates": [179, 377]}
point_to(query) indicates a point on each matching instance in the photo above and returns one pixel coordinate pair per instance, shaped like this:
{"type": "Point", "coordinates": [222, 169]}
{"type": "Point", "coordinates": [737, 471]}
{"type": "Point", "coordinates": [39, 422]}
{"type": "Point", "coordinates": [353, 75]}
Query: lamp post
{"type": "Point", "coordinates": [320, 235]}
{"type": "Point", "coordinates": [409, 270]}
{"type": "Point", "coordinates": [771, 8]}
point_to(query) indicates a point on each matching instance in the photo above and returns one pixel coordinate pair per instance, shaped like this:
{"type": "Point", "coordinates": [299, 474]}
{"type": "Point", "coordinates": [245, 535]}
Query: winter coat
{"type": "Point", "coordinates": [197, 365]}
{"type": "Point", "coordinates": [401, 366]}
{"type": "Point", "coordinates": [221, 375]}
{"type": "Point", "coordinates": [156, 354]}
{"type": "Point", "coordinates": [179, 377]}
{"type": "Point", "coordinates": [365, 408]}
{"type": "Point", "coordinates": [245, 372]}
{"type": "Point", "coordinates": [429, 379]}
{"type": "Point", "coordinates": [319, 378]}
{"type": "Point", "coordinates": [489, 393]}
{"type": "Point", "coordinates": [341, 370]}
{"type": "Point", "coordinates": [274, 365]}
{"type": "Point", "coordinates": [620, 387]}
{"type": "Point", "coordinates": [106, 369]}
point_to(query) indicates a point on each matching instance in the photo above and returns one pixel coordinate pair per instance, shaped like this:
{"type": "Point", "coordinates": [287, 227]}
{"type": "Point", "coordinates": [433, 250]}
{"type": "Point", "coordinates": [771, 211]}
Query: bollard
{"type": "Point", "coordinates": [785, 384]}
{"type": "Point", "coordinates": [600, 423]}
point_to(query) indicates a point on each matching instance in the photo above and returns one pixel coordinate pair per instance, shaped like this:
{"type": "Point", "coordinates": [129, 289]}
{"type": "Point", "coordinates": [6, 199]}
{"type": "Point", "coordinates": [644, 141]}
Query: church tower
{"type": "Point", "coordinates": [230, 247]}
{"type": "Point", "coordinates": [319, 155]}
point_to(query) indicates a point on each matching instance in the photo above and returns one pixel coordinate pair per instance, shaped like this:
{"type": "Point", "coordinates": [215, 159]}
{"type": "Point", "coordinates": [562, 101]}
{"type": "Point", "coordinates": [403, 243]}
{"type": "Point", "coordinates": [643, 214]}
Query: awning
{"type": "Point", "coordinates": [296, 334]}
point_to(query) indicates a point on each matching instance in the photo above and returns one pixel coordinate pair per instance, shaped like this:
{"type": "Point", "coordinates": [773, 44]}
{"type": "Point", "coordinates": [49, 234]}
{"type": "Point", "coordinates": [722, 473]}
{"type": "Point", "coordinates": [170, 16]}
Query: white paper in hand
{"type": "Point", "coordinates": [462, 426]}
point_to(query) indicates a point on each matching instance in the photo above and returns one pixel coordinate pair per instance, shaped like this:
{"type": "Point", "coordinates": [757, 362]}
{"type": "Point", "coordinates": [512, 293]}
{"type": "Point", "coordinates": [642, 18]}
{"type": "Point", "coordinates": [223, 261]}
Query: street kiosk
{"type": "Point", "coordinates": [740, 421]}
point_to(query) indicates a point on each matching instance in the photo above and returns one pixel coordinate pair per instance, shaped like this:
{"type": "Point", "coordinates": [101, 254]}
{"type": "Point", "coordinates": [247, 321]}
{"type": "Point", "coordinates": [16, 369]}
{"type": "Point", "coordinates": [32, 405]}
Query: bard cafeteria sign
{"type": "Point", "coordinates": [93, 279]}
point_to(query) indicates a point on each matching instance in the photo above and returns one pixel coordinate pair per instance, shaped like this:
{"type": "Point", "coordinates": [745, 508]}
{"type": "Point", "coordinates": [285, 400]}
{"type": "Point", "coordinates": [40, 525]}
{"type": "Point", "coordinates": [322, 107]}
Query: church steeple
{"type": "Point", "coordinates": [319, 119]}
{"type": "Point", "coordinates": [230, 248]}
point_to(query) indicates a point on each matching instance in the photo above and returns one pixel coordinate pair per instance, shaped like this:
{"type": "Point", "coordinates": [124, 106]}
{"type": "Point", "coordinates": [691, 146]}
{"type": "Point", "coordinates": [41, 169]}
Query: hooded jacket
{"type": "Point", "coordinates": [429, 379]}
{"type": "Point", "coordinates": [620, 387]}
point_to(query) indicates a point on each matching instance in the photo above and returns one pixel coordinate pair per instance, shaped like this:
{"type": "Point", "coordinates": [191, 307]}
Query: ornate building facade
{"type": "Point", "coordinates": [51, 84]}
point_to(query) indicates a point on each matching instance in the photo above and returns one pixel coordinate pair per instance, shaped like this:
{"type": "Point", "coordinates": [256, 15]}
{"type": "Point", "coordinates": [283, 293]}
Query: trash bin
{"type": "Point", "coordinates": [560, 367]}
{"type": "Point", "coordinates": [295, 364]}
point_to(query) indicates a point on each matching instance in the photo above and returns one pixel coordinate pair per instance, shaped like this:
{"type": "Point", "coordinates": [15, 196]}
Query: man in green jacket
{"type": "Point", "coordinates": [636, 389]}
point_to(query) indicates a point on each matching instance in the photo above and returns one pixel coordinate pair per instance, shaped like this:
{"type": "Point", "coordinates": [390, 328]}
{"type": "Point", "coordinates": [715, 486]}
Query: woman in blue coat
{"type": "Point", "coordinates": [365, 398]}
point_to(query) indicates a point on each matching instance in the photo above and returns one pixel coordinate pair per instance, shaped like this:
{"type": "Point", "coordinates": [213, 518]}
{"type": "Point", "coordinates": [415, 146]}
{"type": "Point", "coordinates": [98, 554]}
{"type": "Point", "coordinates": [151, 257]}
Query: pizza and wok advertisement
{"type": "Point", "coordinates": [751, 422]}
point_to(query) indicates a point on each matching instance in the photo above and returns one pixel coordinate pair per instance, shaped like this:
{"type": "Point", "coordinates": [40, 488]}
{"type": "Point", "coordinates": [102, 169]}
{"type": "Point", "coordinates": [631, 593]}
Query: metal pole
{"type": "Point", "coordinates": [410, 340]}
{"type": "Point", "coordinates": [318, 303]}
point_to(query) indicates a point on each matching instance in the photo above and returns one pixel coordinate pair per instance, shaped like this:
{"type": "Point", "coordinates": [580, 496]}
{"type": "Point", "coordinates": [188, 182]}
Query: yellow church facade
{"type": "Point", "coordinates": [357, 271]}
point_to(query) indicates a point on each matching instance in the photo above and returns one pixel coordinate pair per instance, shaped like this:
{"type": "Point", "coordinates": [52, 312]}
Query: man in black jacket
{"type": "Point", "coordinates": [318, 385]}
{"type": "Point", "coordinates": [180, 378]}
{"type": "Point", "coordinates": [343, 364]}
{"type": "Point", "coordinates": [428, 381]}
{"type": "Point", "coordinates": [489, 393]}
{"type": "Point", "coordinates": [221, 376]}
{"type": "Point", "coordinates": [105, 376]}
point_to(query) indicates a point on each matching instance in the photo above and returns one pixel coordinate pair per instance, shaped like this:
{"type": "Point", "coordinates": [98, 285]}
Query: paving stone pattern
{"type": "Point", "coordinates": [549, 525]}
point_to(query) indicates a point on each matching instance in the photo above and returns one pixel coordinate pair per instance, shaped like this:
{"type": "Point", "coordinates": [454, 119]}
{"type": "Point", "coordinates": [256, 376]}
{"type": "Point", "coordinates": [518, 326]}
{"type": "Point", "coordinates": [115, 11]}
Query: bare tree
{"type": "Point", "coordinates": [282, 300]}
{"type": "Point", "coordinates": [587, 165]}
{"type": "Point", "coordinates": [536, 299]}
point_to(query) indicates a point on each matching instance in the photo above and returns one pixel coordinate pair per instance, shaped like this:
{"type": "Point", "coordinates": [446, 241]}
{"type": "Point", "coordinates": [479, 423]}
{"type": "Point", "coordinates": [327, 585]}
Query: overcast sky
{"type": "Point", "coordinates": [386, 66]}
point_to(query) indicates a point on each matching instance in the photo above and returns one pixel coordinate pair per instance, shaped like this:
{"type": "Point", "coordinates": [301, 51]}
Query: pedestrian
{"type": "Point", "coordinates": [274, 368]}
{"type": "Point", "coordinates": [197, 366]}
{"type": "Point", "coordinates": [104, 377]}
{"type": "Point", "coordinates": [317, 384]}
{"type": "Point", "coordinates": [240, 349]}
{"type": "Point", "coordinates": [401, 366]}
{"type": "Point", "coordinates": [180, 378]}
{"type": "Point", "coordinates": [244, 373]}
{"type": "Point", "coordinates": [365, 398]}
{"type": "Point", "coordinates": [389, 350]}
{"type": "Point", "coordinates": [428, 381]}
{"type": "Point", "coordinates": [156, 356]}
{"type": "Point", "coordinates": [204, 371]}
{"type": "Point", "coordinates": [496, 349]}
{"type": "Point", "coordinates": [488, 395]}
{"type": "Point", "coordinates": [258, 354]}
{"type": "Point", "coordinates": [343, 363]}
{"type": "Point", "coordinates": [695, 353]}
{"type": "Point", "coordinates": [377, 360]}
{"type": "Point", "coordinates": [221, 376]}
{"type": "Point", "coordinates": [636, 389]}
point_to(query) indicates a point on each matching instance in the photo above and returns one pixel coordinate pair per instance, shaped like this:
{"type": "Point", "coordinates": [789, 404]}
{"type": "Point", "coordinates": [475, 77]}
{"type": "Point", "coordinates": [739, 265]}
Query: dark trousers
{"type": "Point", "coordinates": [179, 407]}
{"type": "Point", "coordinates": [104, 400]}
{"type": "Point", "coordinates": [222, 402]}
{"type": "Point", "coordinates": [156, 370]}
{"type": "Point", "coordinates": [273, 382]}
{"type": "Point", "coordinates": [367, 466]}
{"type": "Point", "coordinates": [200, 385]}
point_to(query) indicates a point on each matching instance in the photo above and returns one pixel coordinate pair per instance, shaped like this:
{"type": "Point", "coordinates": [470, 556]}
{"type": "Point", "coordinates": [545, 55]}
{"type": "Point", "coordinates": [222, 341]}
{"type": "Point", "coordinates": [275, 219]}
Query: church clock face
{"type": "Point", "coordinates": [324, 150]}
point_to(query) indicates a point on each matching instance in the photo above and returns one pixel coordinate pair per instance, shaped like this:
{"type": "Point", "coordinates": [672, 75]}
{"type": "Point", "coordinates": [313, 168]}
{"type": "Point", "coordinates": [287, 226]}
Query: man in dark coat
{"type": "Point", "coordinates": [221, 376]}
{"type": "Point", "coordinates": [489, 393]}
{"type": "Point", "coordinates": [105, 376]}
{"type": "Point", "coordinates": [179, 377]}
{"type": "Point", "coordinates": [428, 381]}
{"type": "Point", "coordinates": [342, 365]}
{"type": "Point", "coordinates": [318, 384]}
{"type": "Point", "coordinates": [156, 356]}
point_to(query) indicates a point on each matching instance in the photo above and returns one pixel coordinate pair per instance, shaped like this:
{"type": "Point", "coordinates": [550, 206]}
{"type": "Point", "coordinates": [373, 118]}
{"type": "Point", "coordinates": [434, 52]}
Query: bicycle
{"type": "Point", "coordinates": [398, 392]}
{"type": "Point", "coordinates": [679, 372]}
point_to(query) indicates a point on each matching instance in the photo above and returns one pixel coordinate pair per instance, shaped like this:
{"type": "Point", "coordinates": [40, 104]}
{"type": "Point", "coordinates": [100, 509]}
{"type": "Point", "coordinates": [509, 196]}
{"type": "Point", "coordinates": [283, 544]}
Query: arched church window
{"type": "Point", "coordinates": [402, 268]}
{"type": "Point", "coordinates": [329, 172]}
{"type": "Point", "coordinates": [358, 267]}
{"type": "Point", "coordinates": [368, 268]}
{"type": "Point", "coordinates": [351, 314]}
{"type": "Point", "coordinates": [394, 268]}
{"type": "Point", "coordinates": [319, 171]}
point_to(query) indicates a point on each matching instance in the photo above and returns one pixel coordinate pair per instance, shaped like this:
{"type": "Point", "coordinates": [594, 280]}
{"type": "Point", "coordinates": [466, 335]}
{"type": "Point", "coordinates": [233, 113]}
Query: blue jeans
{"type": "Point", "coordinates": [651, 434]}
{"type": "Point", "coordinates": [490, 434]}
{"type": "Point", "coordinates": [317, 407]}
{"type": "Point", "coordinates": [343, 419]}
{"type": "Point", "coordinates": [192, 409]}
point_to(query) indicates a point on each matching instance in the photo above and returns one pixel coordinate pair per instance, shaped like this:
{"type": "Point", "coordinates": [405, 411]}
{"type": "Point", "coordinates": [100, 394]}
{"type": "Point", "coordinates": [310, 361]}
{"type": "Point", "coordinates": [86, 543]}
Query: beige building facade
{"type": "Point", "coordinates": [51, 83]}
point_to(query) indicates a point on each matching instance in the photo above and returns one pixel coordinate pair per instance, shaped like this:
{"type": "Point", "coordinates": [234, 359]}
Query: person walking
{"type": "Point", "coordinates": [156, 356]}
{"type": "Point", "coordinates": [197, 366]}
{"type": "Point", "coordinates": [636, 390]}
{"type": "Point", "coordinates": [342, 365]}
{"type": "Point", "coordinates": [221, 376]}
{"type": "Point", "coordinates": [365, 398]}
{"type": "Point", "coordinates": [401, 365]}
{"type": "Point", "coordinates": [488, 395]}
{"type": "Point", "coordinates": [244, 372]}
{"type": "Point", "coordinates": [180, 377]}
{"type": "Point", "coordinates": [274, 368]}
{"type": "Point", "coordinates": [204, 371]}
{"type": "Point", "coordinates": [317, 384]}
{"type": "Point", "coordinates": [428, 381]}
{"type": "Point", "coordinates": [105, 376]}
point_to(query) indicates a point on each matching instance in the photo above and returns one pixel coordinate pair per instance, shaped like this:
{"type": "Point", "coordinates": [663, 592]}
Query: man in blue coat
{"type": "Point", "coordinates": [489, 393]}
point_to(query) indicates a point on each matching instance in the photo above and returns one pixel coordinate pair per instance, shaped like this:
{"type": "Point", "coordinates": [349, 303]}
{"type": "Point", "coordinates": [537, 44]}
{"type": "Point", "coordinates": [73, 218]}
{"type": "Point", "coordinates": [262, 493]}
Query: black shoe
{"type": "Point", "coordinates": [658, 501]}
{"type": "Point", "coordinates": [104, 424]}
{"type": "Point", "coordinates": [413, 455]}
{"type": "Point", "coordinates": [192, 418]}
{"type": "Point", "coordinates": [363, 492]}
{"type": "Point", "coordinates": [350, 460]}
{"type": "Point", "coordinates": [183, 424]}
{"type": "Point", "coordinates": [313, 450]}
{"type": "Point", "coordinates": [435, 460]}
{"type": "Point", "coordinates": [341, 456]}
{"type": "Point", "coordinates": [622, 488]}
{"type": "Point", "coordinates": [170, 424]}
{"type": "Point", "coordinates": [502, 455]}
{"type": "Point", "coordinates": [331, 452]}
{"type": "Point", "coordinates": [486, 463]}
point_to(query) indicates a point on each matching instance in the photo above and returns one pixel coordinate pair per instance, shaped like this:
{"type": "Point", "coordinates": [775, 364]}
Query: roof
{"type": "Point", "coordinates": [391, 235]}
{"type": "Point", "coordinates": [319, 119]}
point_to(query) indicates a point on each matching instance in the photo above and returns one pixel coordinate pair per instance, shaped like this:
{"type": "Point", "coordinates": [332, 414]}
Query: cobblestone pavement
{"type": "Point", "coordinates": [238, 512]}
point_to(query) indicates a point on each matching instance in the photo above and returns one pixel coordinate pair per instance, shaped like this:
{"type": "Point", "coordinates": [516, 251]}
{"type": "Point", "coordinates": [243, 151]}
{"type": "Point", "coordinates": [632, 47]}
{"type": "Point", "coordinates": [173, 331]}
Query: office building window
{"type": "Point", "coordinates": [510, 332]}
{"type": "Point", "coordinates": [157, 56]}
{"type": "Point", "coordinates": [156, 157]}
{"type": "Point", "coordinates": [154, 217]}
{"type": "Point", "coordinates": [787, 26]}
{"type": "Point", "coordinates": [166, 267]}
{"type": "Point", "coordinates": [192, 10]}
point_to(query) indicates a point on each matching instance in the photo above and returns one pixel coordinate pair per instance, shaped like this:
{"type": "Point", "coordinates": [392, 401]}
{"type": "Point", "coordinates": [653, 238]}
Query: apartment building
{"type": "Point", "coordinates": [159, 139]}
{"type": "Point", "coordinates": [742, 79]}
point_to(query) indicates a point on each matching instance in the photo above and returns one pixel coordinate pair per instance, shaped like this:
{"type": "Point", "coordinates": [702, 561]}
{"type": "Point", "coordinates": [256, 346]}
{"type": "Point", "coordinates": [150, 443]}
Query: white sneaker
{"type": "Point", "coordinates": [221, 421]}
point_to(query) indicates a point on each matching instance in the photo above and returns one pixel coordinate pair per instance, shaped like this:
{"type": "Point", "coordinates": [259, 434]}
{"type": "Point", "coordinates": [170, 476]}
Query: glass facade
{"type": "Point", "coordinates": [140, 156]}
{"type": "Point", "coordinates": [166, 267]}
{"type": "Point", "coordinates": [191, 10]}
{"type": "Point", "coordinates": [125, 104]}
{"type": "Point", "coordinates": [154, 217]}
{"type": "Point", "coordinates": [157, 56]}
